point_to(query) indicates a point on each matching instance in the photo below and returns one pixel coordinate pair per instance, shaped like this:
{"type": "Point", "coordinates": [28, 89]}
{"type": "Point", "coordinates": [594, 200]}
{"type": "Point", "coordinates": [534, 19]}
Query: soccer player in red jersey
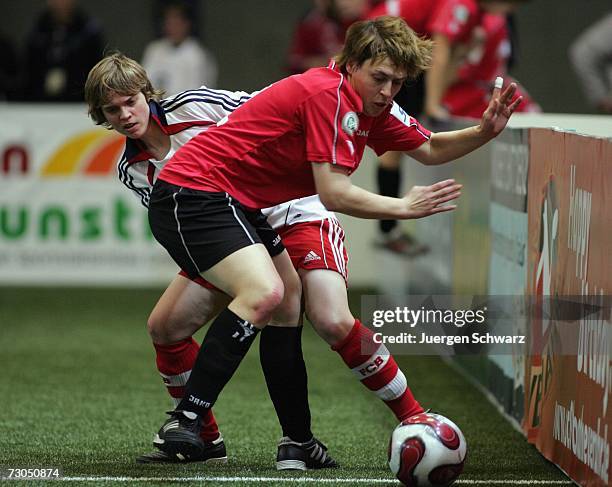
{"type": "Point", "coordinates": [311, 234]}
{"type": "Point", "coordinates": [300, 136]}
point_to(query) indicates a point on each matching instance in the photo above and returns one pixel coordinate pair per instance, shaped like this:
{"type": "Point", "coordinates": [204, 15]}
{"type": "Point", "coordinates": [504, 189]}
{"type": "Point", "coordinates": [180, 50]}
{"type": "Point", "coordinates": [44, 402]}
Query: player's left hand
{"type": "Point", "coordinates": [500, 109]}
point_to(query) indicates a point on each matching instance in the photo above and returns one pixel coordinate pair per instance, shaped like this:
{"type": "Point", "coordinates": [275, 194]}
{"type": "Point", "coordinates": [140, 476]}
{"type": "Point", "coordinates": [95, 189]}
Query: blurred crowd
{"type": "Point", "coordinates": [65, 42]}
{"type": "Point", "coordinates": [475, 43]}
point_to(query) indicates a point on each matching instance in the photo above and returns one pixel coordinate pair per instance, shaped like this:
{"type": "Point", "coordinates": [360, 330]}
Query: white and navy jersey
{"type": "Point", "coordinates": [182, 117]}
{"type": "Point", "coordinates": [300, 210]}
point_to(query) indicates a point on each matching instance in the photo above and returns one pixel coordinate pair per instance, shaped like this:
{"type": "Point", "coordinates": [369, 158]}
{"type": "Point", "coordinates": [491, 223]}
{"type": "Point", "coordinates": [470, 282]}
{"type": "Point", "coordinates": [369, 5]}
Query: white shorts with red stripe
{"type": "Point", "coordinates": [316, 245]}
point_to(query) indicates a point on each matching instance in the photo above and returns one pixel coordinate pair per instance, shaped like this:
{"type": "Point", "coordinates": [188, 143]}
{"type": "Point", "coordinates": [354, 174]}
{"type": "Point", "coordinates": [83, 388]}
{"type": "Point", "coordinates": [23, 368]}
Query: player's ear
{"type": "Point", "coordinates": [351, 67]}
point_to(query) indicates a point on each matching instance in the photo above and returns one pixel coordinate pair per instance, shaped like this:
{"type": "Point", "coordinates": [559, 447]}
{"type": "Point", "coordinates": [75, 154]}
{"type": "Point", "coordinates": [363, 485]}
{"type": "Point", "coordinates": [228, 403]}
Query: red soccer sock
{"type": "Point", "coordinates": [174, 363]}
{"type": "Point", "coordinates": [377, 370]}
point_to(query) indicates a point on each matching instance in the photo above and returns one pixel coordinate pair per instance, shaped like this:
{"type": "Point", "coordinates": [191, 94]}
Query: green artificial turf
{"type": "Point", "coordinates": [79, 390]}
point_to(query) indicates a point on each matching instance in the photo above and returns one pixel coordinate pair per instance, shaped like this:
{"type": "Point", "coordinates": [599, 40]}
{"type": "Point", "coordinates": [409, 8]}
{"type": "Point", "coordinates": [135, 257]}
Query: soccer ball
{"type": "Point", "coordinates": [427, 450]}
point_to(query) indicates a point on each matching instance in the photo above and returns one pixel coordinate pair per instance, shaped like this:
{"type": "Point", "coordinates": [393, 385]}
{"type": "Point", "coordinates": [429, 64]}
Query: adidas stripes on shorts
{"type": "Point", "coordinates": [316, 245]}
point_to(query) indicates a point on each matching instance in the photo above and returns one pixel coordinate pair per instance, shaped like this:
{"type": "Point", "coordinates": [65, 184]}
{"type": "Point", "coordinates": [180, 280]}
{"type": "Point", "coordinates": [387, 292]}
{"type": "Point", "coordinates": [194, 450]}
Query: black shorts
{"type": "Point", "coordinates": [199, 229]}
{"type": "Point", "coordinates": [411, 96]}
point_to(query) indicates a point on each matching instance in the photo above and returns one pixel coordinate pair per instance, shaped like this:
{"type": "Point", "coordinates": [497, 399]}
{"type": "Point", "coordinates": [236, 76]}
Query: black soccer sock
{"type": "Point", "coordinates": [388, 185]}
{"type": "Point", "coordinates": [282, 362]}
{"type": "Point", "coordinates": [225, 345]}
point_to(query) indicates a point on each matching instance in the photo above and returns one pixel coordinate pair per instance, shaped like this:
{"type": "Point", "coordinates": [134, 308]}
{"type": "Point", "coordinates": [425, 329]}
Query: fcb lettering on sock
{"type": "Point", "coordinates": [377, 370]}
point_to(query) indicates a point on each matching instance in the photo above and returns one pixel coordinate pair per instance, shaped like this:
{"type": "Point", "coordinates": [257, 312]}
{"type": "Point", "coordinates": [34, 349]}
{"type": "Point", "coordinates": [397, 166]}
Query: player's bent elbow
{"type": "Point", "coordinates": [332, 200]}
{"type": "Point", "coordinates": [424, 156]}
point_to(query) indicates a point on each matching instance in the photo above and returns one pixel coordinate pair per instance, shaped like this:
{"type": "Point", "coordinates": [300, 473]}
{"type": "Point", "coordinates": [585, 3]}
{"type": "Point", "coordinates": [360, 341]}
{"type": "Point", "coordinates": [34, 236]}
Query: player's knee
{"type": "Point", "coordinates": [157, 329]}
{"type": "Point", "coordinates": [264, 299]}
{"type": "Point", "coordinates": [333, 328]}
{"type": "Point", "coordinates": [269, 301]}
{"type": "Point", "coordinates": [163, 330]}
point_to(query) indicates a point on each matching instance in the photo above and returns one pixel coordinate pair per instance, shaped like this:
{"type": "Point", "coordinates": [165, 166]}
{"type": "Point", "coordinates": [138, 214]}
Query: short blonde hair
{"type": "Point", "coordinates": [116, 73]}
{"type": "Point", "coordinates": [382, 38]}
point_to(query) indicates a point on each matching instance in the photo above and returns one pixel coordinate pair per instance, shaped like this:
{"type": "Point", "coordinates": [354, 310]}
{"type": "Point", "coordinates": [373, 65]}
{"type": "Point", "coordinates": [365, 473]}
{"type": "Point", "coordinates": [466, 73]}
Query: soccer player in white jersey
{"type": "Point", "coordinates": [120, 96]}
{"type": "Point", "coordinates": [301, 136]}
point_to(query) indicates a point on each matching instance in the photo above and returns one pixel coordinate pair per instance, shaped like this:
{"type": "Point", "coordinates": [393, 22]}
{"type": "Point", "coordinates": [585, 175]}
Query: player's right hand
{"type": "Point", "coordinates": [424, 201]}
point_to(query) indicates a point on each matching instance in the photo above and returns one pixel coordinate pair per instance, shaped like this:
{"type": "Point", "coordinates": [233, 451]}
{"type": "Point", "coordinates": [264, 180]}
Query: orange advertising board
{"type": "Point", "coordinates": [568, 376]}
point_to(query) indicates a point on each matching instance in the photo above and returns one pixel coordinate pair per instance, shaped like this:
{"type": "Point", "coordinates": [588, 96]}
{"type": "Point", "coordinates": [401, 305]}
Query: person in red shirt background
{"type": "Point", "coordinates": [450, 24]}
{"type": "Point", "coordinates": [319, 35]}
{"type": "Point", "coordinates": [489, 57]}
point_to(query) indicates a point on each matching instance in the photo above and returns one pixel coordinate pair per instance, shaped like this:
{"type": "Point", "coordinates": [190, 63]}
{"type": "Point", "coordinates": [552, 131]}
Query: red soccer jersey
{"type": "Point", "coordinates": [456, 19]}
{"type": "Point", "coordinates": [490, 59]}
{"type": "Point", "coordinates": [453, 18]}
{"type": "Point", "coordinates": [470, 94]}
{"type": "Point", "coordinates": [261, 153]}
{"type": "Point", "coordinates": [417, 13]}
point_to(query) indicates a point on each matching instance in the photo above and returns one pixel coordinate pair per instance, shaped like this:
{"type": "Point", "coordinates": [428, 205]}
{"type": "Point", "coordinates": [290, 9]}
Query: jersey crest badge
{"type": "Point", "coordinates": [461, 14]}
{"type": "Point", "coordinates": [350, 123]}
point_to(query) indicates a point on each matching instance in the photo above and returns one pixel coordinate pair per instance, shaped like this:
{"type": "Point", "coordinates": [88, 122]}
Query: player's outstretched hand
{"type": "Point", "coordinates": [423, 201]}
{"type": "Point", "coordinates": [500, 109]}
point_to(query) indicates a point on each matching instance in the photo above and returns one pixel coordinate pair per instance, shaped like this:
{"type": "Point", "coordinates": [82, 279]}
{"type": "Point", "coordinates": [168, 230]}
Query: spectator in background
{"type": "Point", "coordinates": [178, 62]}
{"type": "Point", "coordinates": [63, 46]}
{"type": "Point", "coordinates": [489, 56]}
{"type": "Point", "coordinates": [319, 35]}
{"type": "Point", "coordinates": [591, 57]}
{"type": "Point", "coordinates": [9, 70]}
{"type": "Point", "coordinates": [450, 24]}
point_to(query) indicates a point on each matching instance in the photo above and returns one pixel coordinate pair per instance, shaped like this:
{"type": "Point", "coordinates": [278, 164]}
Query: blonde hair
{"type": "Point", "coordinates": [116, 73]}
{"type": "Point", "coordinates": [382, 38]}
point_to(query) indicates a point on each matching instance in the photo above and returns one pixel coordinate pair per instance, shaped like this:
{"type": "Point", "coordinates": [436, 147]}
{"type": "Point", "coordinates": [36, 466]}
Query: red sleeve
{"type": "Point", "coordinates": [455, 19]}
{"type": "Point", "coordinates": [329, 122]}
{"type": "Point", "coordinates": [397, 131]}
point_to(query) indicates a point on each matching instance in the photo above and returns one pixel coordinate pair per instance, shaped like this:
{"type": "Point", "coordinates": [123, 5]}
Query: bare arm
{"type": "Point", "coordinates": [447, 146]}
{"type": "Point", "coordinates": [436, 77]}
{"type": "Point", "coordinates": [338, 194]}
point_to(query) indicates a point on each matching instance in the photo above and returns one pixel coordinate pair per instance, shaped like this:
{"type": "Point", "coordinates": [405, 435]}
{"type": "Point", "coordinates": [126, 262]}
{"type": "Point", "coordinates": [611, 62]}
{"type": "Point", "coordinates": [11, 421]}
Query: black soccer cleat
{"type": "Point", "coordinates": [179, 437]}
{"type": "Point", "coordinates": [214, 452]}
{"type": "Point", "coordinates": [303, 456]}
